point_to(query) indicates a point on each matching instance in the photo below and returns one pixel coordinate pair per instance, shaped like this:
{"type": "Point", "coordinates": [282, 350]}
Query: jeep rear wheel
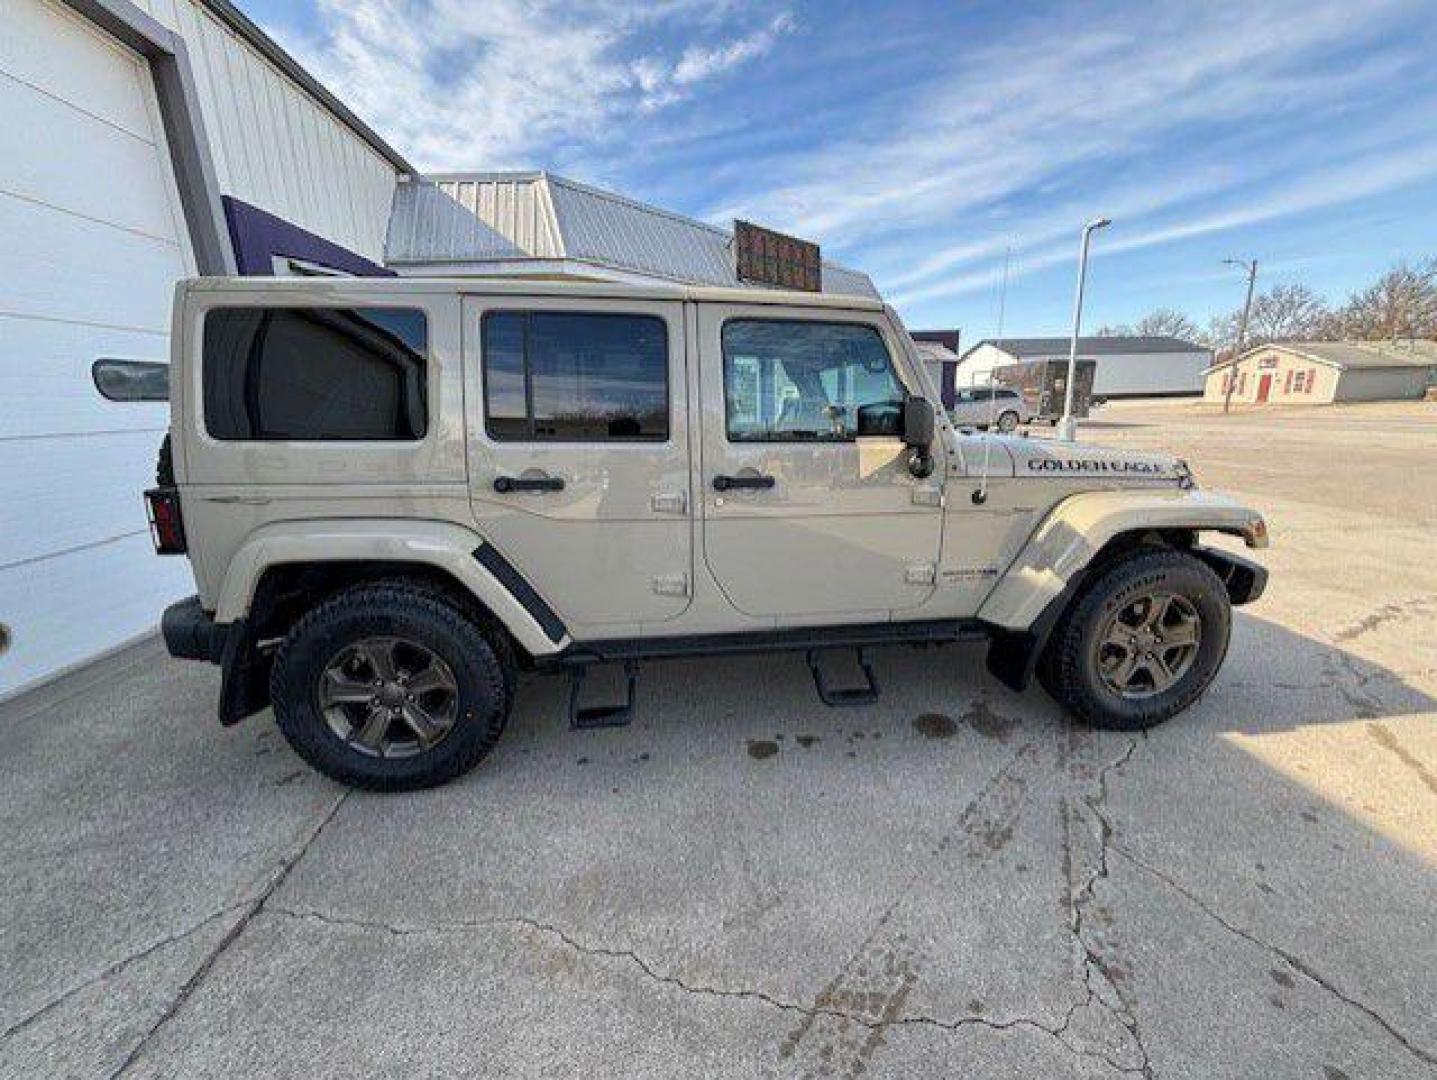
{"type": "Point", "coordinates": [1141, 642]}
{"type": "Point", "coordinates": [391, 689]}
{"type": "Point", "coordinates": [1008, 422]}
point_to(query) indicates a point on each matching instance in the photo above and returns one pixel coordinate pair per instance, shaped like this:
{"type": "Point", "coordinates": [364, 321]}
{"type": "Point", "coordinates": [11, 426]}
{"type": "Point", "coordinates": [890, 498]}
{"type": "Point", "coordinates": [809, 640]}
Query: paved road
{"type": "Point", "coordinates": [954, 883]}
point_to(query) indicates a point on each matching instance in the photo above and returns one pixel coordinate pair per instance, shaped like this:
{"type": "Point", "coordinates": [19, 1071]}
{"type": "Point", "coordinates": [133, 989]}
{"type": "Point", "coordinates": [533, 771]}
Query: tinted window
{"type": "Point", "coordinates": [575, 377]}
{"type": "Point", "coordinates": [790, 381]}
{"type": "Point", "coordinates": [315, 373]}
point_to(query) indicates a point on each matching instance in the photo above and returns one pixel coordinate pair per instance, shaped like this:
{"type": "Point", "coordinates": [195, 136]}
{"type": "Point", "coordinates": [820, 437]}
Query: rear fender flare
{"type": "Point", "coordinates": [444, 545]}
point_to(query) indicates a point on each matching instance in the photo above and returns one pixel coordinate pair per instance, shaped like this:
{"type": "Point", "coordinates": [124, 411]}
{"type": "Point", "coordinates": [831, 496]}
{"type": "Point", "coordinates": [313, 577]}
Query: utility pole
{"type": "Point", "coordinates": [1251, 269]}
{"type": "Point", "coordinates": [1068, 429]}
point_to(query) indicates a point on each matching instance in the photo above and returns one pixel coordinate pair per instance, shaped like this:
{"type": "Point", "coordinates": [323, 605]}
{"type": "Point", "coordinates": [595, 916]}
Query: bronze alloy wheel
{"type": "Point", "coordinates": [1148, 645]}
{"type": "Point", "coordinates": [389, 697]}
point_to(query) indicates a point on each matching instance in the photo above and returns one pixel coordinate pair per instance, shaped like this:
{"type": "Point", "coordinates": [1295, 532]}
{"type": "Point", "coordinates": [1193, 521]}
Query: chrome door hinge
{"type": "Point", "coordinates": [920, 573]}
{"type": "Point", "coordinates": [927, 495]}
{"type": "Point", "coordinates": [671, 585]}
{"type": "Point", "coordinates": [669, 502]}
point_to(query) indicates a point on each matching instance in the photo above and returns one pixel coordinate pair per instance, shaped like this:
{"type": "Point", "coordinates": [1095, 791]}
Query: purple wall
{"type": "Point", "coordinates": [259, 236]}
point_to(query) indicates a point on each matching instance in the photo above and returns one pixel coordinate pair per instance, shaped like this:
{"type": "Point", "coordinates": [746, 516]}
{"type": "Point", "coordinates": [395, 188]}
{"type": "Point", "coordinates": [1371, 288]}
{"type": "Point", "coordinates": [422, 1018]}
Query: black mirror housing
{"type": "Point", "coordinates": [918, 422]}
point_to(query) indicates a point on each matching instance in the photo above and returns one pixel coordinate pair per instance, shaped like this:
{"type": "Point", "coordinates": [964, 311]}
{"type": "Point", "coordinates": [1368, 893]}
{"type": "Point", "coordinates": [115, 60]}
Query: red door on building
{"type": "Point", "coordinates": [1264, 387]}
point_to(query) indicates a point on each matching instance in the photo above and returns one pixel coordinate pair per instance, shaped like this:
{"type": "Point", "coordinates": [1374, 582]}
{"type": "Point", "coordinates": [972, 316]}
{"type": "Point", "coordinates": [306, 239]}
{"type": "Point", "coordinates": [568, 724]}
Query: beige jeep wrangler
{"type": "Point", "coordinates": [395, 494]}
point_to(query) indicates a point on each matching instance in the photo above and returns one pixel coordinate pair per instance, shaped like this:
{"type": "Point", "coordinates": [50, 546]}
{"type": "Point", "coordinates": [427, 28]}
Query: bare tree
{"type": "Point", "coordinates": [1165, 322]}
{"type": "Point", "coordinates": [1401, 303]}
{"type": "Point", "coordinates": [1221, 334]}
{"type": "Point", "coordinates": [1113, 330]}
{"type": "Point", "coordinates": [1286, 313]}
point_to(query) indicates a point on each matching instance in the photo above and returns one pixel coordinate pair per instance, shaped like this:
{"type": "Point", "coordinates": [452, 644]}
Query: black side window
{"type": "Point", "coordinates": [802, 381]}
{"type": "Point", "coordinates": [555, 376]}
{"type": "Point", "coordinates": [315, 374]}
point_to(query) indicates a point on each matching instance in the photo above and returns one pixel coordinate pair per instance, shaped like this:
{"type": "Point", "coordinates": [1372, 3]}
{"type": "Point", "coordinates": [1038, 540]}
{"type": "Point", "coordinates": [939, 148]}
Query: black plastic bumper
{"type": "Point", "coordinates": [1245, 579]}
{"type": "Point", "coordinates": [191, 633]}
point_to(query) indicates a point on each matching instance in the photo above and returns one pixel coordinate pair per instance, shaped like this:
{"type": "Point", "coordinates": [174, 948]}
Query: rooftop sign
{"type": "Point", "coordinates": [766, 257]}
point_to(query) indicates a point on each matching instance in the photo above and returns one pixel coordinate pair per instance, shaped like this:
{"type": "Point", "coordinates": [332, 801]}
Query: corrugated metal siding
{"type": "Point", "coordinates": [460, 220]}
{"type": "Point", "coordinates": [549, 217]}
{"type": "Point", "coordinates": [274, 146]}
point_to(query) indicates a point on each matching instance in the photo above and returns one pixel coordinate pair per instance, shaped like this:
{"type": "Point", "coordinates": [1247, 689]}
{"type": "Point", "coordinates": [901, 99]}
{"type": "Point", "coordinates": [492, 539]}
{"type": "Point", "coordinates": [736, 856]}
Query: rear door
{"type": "Point", "coordinates": [809, 508]}
{"type": "Point", "coordinates": [578, 452]}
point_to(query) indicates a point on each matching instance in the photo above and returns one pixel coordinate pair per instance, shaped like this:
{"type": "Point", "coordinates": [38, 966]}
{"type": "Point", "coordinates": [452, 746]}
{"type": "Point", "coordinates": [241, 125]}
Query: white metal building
{"type": "Point", "coordinates": [1126, 366]}
{"type": "Point", "coordinates": [1323, 372]}
{"type": "Point", "coordinates": [139, 146]}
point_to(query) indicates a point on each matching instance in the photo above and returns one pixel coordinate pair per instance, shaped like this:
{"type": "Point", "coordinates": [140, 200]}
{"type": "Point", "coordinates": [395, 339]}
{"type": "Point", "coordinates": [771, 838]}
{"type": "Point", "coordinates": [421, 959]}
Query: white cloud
{"type": "Point", "coordinates": [482, 84]}
{"type": "Point", "coordinates": [1177, 119]}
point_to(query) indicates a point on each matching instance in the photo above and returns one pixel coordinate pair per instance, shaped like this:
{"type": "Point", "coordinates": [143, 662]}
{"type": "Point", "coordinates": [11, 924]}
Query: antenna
{"type": "Point", "coordinates": [981, 495]}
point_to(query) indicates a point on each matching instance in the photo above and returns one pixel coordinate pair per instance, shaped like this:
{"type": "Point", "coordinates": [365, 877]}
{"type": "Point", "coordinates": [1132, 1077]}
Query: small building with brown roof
{"type": "Point", "coordinates": [1323, 372]}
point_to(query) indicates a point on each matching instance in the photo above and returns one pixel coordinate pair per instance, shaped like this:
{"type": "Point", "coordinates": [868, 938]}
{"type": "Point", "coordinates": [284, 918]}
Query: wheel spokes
{"type": "Point", "coordinates": [426, 727]}
{"type": "Point", "coordinates": [341, 688]}
{"type": "Point", "coordinates": [1182, 633]}
{"type": "Point", "coordinates": [1149, 646]}
{"type": "Point", "coordinates": [430, 679]}
{"type": "Point", "coordinates": [378, 653]}
{"type": "Point", "coordinates": [1157, 611]}
{"type": "Point", "coordinates": [372, 732]}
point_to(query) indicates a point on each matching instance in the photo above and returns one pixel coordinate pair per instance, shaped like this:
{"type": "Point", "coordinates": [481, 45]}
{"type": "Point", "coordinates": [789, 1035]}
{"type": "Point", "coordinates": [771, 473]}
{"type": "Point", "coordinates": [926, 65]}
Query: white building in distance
{"type": "Point", "coordinates": [1126, 366]}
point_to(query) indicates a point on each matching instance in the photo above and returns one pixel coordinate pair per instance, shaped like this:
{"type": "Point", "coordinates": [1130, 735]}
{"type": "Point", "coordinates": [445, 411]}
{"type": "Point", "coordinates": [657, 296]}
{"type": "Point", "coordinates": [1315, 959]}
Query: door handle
{"type": "Point", "coordinates": [505, 484]}
{"type": "Point", "coordinates": [738, 483]}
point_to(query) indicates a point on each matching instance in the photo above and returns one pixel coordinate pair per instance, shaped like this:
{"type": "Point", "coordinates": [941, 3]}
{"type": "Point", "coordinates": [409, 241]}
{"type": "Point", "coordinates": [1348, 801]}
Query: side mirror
{"type": "Point", "coordinates": [918, 423]}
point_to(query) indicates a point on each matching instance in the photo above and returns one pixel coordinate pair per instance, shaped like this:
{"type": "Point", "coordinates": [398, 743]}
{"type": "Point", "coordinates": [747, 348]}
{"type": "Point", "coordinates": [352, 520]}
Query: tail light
{"type": "Point", "coordinates": [167, 525]}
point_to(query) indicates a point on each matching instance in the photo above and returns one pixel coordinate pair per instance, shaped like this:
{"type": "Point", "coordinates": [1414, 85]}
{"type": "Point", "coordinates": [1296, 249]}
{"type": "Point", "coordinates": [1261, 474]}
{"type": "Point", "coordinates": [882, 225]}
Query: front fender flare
{"type": "Point", "coordinates": [1081, 526]}
{"type": "Point", "coordinates": [444, 545]}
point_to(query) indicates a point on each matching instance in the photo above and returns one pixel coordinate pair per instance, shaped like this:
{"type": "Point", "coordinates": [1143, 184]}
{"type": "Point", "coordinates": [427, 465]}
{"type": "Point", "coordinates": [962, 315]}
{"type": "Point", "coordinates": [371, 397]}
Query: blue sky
{"type": "Point", "coordinates": [919, 140]}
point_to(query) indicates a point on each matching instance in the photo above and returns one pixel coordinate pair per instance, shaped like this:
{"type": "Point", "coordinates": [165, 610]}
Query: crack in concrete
{"type": "Point", "coordinates": [1291, 959]}
{"type": "Point", "coordinates": [1093, 960]}
{"type": "Point", "coordinates": [116, 968]}
{"type": "Point", "coordinates": [254, 908]}
{"type": "Point", "coordinates": [650, 971]}
{"type": "Point", "coordinates": [1417, 605]}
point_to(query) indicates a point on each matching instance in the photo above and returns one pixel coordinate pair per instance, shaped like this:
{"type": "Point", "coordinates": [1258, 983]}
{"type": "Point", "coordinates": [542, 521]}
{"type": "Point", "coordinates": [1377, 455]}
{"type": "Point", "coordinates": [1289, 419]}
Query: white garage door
{"type": "Point", "coordinates": [90, 252]}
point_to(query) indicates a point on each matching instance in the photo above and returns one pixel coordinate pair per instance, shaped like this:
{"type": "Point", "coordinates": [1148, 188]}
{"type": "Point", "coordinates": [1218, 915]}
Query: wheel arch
{"type": "Point", "coordinates": [280, 564]}
{"type": "Point", "coordinates": [1085, 533]}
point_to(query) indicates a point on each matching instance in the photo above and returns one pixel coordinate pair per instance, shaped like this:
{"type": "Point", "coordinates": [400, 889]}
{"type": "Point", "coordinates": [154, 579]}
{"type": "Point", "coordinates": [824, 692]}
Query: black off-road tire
{"type": "Point", "coordinates": [1068, 669]}
{"type": "Point", "coordinates": [482, 666]}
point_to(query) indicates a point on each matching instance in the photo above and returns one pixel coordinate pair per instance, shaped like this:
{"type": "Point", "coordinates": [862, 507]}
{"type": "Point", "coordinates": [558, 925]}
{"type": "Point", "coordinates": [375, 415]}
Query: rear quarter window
{"type": "Point", "coordinates": [315, 374]}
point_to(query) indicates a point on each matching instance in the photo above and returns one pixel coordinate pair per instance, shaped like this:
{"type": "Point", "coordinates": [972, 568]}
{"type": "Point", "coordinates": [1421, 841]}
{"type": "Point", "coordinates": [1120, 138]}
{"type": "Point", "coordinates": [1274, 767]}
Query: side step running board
{"type": "Point", "coordinates": [845, 698]}
{"type": "Point", "coordinates": [602, 716]}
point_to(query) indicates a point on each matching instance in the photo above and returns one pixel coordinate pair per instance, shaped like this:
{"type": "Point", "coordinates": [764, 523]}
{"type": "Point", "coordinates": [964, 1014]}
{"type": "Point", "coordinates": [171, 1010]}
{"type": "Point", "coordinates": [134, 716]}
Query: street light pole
{"type": "Point", "coordinates": [1251, 268]}
{"type": "Point", "coordinates": [1068, 429]}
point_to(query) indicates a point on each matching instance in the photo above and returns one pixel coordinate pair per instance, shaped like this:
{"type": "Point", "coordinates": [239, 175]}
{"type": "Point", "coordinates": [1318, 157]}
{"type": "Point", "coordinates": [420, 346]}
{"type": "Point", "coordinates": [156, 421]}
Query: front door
{"type": "Point", "coordinates": [578, 453]}
{"type": "Point", "coordinates": [1264, 388]}
{"type": "Point", "coordinates": [809, 507]}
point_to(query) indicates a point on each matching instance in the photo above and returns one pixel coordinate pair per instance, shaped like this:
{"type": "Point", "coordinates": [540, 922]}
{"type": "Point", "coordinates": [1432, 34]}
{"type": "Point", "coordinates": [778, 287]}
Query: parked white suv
{"type": "Point", "coordinates": [397, 493]}
{"type": "Point", "coordinates": [983, 407]}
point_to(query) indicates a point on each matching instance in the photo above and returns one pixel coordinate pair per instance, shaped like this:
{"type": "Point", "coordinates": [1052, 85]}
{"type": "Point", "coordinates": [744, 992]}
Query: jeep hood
{"type": "Point", "coordinates": [1048, 459]}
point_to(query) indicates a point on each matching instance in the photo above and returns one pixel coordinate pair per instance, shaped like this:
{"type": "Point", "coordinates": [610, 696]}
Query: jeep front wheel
{"type": "Point", "coordinates": [390, 689]}
{"type": "Point", "coordinates": [1141, 642]}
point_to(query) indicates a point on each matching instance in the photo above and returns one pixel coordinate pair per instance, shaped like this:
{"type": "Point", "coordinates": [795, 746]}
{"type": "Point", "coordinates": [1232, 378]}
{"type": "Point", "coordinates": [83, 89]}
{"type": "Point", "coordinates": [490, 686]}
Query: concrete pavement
{"type": "Point", "coordinates": [954, 882]}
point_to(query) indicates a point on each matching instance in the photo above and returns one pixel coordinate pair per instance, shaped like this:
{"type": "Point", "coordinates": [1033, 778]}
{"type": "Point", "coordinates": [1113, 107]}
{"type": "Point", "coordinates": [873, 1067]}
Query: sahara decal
{"type": "Point", "coordinates": [1094, 465]}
